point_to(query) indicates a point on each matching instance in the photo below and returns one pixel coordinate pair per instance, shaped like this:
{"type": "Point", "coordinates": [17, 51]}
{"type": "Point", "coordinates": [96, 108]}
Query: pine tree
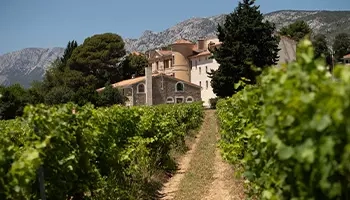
{"type": "Point", "coordinates": [297, 30]}
{"type": "Point", "coordinates": [321, 48]}
{"type": "Point", "coordinates": [68, 51]}
{"type": "Point", "coordinates": [246, 40]}
{"type": "Point", "coordinates": [341, 46]}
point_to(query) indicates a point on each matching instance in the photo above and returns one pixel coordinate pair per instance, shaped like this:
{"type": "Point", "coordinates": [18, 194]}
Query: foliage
{"type": "Point", "coordinates": [321, 48]}
{"type": "Point", "coordinates": [289, 132]}
{"type": "Point", "coordinates": [68, 52]}
{"type": "Point", "coordinates": [12, 101]}
{"type": "Point", "coordinates": [110, 96]}
{"type": "Point", "coordinates": [341, 46]}
{"type": "Point", "coordinates": [92, 153]}
{"type": "Point", "coordinates": [236, 53]}
{"type": "Point", "coordinates": [297, 30]}
{"type": "Point", "coordinates": [213, 102]}
{"type": "Point", "coordinates": [99, 56]}
{"type": "Point", "coordinates": [133, 64]}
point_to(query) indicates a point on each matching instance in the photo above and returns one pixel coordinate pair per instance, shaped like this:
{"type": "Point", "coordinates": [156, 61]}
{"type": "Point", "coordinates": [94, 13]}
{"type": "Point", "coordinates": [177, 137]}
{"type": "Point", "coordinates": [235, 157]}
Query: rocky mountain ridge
{"type": "Point", "coordinates": [29, 64]}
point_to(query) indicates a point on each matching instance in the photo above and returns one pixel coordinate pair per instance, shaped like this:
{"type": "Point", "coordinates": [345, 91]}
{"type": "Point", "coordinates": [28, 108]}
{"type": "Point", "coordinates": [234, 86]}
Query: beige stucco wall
{"type": "Point", "coordinates": [288, 50]}
{"type": "Point", "coordinates": [181, 52]}
{"type": "Point", "coordinates": [200, 77]}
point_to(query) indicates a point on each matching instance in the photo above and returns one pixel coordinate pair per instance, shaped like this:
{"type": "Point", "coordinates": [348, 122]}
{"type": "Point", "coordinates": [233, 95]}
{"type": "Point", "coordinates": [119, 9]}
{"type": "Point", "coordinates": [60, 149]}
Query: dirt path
{"type": "Point", "coordinates": [170, 188]}
{"type": "Point", "coordinates": [225, 186]}
{"type": "Point", "coordinates": [203, 174]}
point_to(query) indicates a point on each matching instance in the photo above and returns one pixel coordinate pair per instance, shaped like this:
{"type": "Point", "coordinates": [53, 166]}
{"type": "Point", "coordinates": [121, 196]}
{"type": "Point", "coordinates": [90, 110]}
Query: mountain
{"type": "Point", "coordinates": [329, 23]}
{"type": "Point", "coordinates": [30, 64]}
{"type": "Point", "coordinates": [26, 65]}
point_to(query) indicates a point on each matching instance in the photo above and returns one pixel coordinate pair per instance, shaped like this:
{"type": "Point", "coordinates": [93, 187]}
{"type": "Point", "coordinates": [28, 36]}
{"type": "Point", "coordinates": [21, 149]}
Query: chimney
{"type": "Point", "coordinates": [148, 74]}
{"type": "Point", "coordinates": [201, 44]}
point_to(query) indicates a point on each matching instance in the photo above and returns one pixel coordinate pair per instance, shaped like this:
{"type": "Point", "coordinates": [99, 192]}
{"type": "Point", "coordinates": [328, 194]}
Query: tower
{"type": "Point", "coordinates": [182, 49]}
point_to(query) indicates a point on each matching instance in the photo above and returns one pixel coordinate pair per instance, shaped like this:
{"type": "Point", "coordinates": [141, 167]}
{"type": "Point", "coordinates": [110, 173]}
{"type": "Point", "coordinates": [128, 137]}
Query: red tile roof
{"type": "Point", "coordinates": [347, 56]}
{"type": "Point", "coordinates": [204, 53]}
{"type": "Point", "coordinates": [165, 52]}
{"type": "Point", "coordinates": [182, 41]}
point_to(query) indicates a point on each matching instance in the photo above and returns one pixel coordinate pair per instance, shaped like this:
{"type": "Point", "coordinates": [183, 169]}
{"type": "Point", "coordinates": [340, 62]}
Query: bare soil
{"type": "Point", "coordinates": [202, 173]}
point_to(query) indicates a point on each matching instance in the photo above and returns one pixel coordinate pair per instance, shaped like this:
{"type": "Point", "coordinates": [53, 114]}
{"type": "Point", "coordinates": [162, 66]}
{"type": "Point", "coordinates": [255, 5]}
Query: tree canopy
{"type": "Point", "coordinates": [246, 40]}
{"type": "Point", "coordinates": [321, 49]}
{"type": "Point", "coordinates": [134, 64]}
{"type": "Point", "coordinates": [341, 46]}
{"type": "Point", "coordinates": [297, 30]}
{"type": "Point", "coordinates": [99, 56]}
{"type": "Point", "coordinates": [12, 101]}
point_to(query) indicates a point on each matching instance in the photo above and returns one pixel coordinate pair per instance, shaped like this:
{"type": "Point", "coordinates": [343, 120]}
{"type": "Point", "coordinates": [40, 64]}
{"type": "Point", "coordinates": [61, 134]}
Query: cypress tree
{"type": "Point", "coordinates": [246, 40]}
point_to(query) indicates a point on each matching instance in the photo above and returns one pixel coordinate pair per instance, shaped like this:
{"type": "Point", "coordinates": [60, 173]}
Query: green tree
{"type": "Point", "coordinates": [297, 30]}
{"type": "Point", "coordinates": [110, 96]}
{"type": "Point", "coordinates": [321, 48]}
{"type": "Point", "coordinates": [246, 40]}
{"type": "Point", "coordinates": [13, 99]}
{"type": "Point", "coordinates": [341, 46]}
{"type": "Point", "coordinates": [134, 64]}
{"type": "Point", "coordinates": [68, 52]}
{"type": "Point", "coordinates": [99, 56]}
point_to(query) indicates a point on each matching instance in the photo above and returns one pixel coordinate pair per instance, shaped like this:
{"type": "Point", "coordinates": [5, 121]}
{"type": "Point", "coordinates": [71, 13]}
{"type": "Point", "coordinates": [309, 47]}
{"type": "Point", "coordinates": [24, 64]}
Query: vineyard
{"type": "Point", "coordinates": [290, 133]}
{"type": "Point", "coordinates": [104, 153]}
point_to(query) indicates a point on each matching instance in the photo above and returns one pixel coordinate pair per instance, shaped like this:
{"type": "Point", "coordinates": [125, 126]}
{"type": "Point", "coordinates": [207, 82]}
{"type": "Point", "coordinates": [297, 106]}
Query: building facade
{"type": "Point", "coordinates": [157, 88]}
{"type": "Point", "coordinates": [190, 62]}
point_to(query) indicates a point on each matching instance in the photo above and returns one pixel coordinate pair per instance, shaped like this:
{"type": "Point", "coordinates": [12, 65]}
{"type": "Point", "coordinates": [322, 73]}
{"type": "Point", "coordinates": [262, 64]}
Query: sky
{"type": "Point", "coordinates": [52, 23]}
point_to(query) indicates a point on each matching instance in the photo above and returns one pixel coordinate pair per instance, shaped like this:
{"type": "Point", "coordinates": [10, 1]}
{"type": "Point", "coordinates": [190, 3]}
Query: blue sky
{"type": "Point", "coordinates": [51, 23]}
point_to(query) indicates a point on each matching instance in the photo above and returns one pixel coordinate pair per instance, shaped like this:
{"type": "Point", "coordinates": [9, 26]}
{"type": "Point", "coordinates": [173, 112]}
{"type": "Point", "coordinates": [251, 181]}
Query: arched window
{"type": "Point", "coordinates": [141, 88]}
{"type": "Point", "coordinates": [189, 99]}
{"type": "Point", "coordinates": [206, 84]}
{"type": "Point", "coordinates": [179, 87]}
{"type": "Point", "coordinates": [170, 100]}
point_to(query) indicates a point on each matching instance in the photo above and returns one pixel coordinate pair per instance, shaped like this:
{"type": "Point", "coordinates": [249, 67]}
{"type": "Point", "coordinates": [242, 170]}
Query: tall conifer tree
{"type": "Point", "coordinates": [246, 40]}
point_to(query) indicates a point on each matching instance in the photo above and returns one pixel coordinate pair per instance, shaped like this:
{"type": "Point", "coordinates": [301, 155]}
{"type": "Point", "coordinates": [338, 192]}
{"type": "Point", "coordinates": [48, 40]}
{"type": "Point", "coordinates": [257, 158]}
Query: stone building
{"type": "Point", "coordinates": [346, 59]}
{"type": "Point", "coordinates": [190, 61]}
{"type": "Point", "coordinates": [157, 88]}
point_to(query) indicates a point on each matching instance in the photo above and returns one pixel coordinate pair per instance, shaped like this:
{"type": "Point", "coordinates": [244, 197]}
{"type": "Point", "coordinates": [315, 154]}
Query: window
{"type": "Point", "coordinates": [195, 62]}
{"type": "Point", "coordinates": [200, 70]}
{"type": "Point", "coordinates": [206, 84]}
{"type": "Point", "coordinates": [179, 87]}
{"type": "Point", "coordinates": [200, 84]}
{"type": "Point", "coordinates": [157, 65]}
{"type": "Point", "coordinates": [206, 68]}
{"type": "Point", "coordinates": [141, 88]}
{"type": "Point", "coordinates": [173, 61]}
{"type": "Point", "coordinates": [189, 100]}
{"type": "Point", "coordinates": [170, 100]}
{"type": "Point", "coordinates": [179, 99]}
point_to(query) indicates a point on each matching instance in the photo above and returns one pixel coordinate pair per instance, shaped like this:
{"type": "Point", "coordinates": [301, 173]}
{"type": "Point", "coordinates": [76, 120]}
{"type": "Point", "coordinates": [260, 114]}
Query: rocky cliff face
{"type": "Point", "coordinates": [30, 64]}
{"type": "Point", "coordinates": [26, 65]}
{"type": "Point", "coordinates": [329, 23]}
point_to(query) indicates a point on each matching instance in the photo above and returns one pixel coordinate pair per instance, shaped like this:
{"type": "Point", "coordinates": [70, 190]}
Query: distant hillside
{"type": "Point", "coordinates": [329, 23]}
{"type": "Point", "coordinates": [30, 64]}
{"type": "Point", "coordinates": [26, 65]}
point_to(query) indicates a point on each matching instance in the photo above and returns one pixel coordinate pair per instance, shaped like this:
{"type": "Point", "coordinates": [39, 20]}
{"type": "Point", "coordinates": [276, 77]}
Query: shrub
{"type": "Point", "coordinates": [289, 132]}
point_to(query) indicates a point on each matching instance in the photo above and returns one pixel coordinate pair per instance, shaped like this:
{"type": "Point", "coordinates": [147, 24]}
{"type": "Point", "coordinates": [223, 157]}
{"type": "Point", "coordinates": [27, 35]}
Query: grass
{"type": "Point", "coordinates": [200, 174]}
